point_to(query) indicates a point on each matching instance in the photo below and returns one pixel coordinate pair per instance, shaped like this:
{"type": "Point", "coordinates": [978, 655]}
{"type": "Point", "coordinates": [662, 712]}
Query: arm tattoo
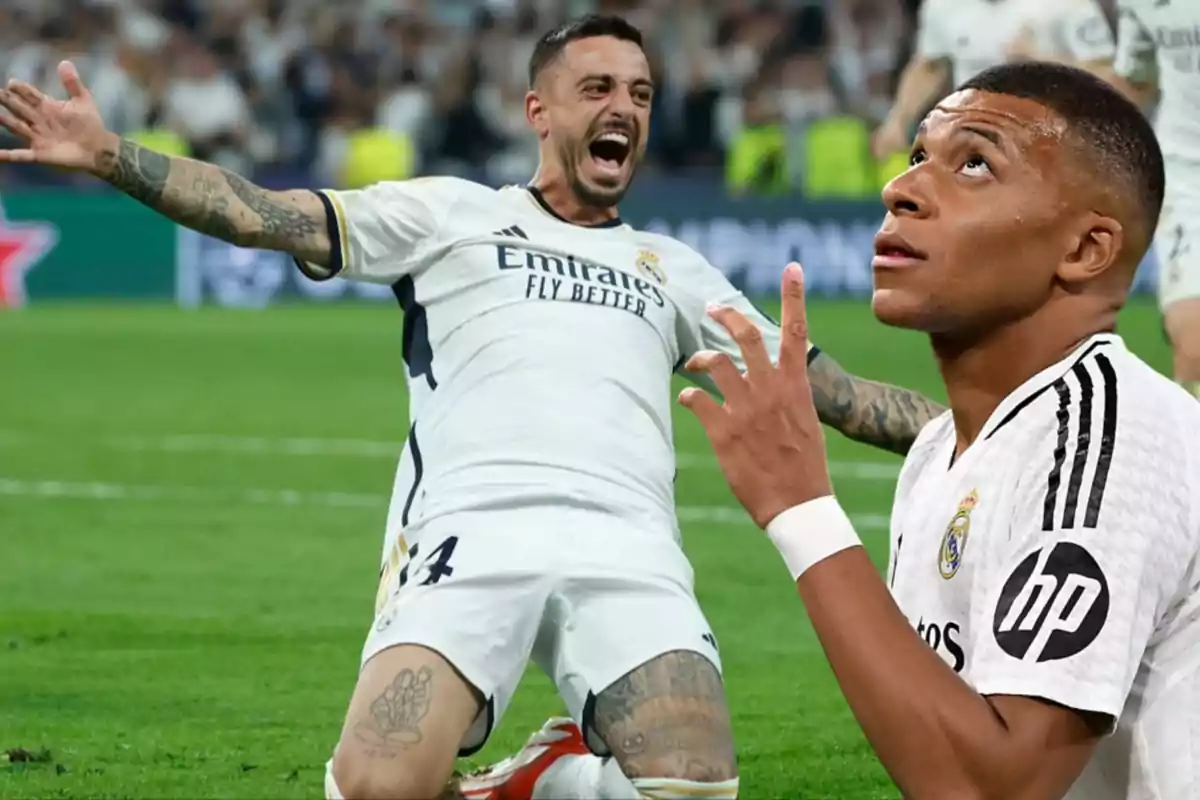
{"type": "Point", "coordinates": [669, 714]}
{"type": "Point", "coordinates": [395, 716]}
{"type": "Point", "coordinates": [216, 202]}
{"type": "Point", "coordinates": [878, 414]}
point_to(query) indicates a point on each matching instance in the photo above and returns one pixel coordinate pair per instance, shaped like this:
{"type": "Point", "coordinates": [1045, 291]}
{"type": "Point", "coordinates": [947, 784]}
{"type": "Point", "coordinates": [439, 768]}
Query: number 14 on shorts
{"type": "Point", "coordinates": [405, 565]}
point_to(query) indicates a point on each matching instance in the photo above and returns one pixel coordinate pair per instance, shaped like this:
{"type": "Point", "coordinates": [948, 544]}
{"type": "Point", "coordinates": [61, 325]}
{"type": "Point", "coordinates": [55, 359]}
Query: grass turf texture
{"type": "Point", "coordinates": [191, 507]}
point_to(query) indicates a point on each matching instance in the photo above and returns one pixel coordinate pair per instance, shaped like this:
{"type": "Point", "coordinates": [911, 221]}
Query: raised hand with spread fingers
{"type": "Point", "coordinates": [70, 134]}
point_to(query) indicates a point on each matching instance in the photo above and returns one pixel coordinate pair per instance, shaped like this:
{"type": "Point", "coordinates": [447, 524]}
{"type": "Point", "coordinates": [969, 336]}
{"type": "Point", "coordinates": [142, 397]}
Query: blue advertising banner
{"type": "Point", "coordinates": [749, 240]}
{"type": "Point", "coordinates": [62, 244]}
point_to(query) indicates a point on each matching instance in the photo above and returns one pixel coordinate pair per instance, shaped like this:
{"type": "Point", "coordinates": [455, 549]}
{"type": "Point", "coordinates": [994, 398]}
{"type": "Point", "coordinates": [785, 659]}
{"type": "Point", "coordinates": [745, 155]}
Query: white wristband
{"type": "Point", "coordinates": [811, 532]}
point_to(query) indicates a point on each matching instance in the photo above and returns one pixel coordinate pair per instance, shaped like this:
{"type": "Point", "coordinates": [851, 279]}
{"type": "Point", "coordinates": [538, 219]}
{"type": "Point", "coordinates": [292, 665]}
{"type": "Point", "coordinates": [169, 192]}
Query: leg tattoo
{"type": "Point", "coordinates": [395, 716]}
{"type": "Point", "coordinates": [668, 719]}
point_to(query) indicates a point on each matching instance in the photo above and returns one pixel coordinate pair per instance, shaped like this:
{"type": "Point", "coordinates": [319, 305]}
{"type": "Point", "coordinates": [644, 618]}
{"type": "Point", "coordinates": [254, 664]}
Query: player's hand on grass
{"type": "Point", "coordinates": [62, 133]}
{"type": "Point", "coordinates": [766, 435]}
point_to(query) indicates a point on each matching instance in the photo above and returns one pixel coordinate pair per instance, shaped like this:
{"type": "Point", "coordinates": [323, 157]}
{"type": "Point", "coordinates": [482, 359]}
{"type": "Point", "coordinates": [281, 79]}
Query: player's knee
{"type": "Point", "coordinates": [1183, 329]}
{"type": "Point", "coordinates": [668, 720]}
{"type": "Point", "coordinates": [359, 779]}
{"type": "Point", "coordinates": [1185, 340]}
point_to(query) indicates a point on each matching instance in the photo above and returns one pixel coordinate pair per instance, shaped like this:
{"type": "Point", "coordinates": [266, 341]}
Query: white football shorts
{"type": "Point", "coordinates": [586, 596]}
{"type": "Point", "coordinates": [1177, 242]}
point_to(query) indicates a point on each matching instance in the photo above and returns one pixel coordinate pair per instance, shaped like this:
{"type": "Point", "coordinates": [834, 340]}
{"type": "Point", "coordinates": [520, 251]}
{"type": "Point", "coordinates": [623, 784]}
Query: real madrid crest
{"type": "Point", "coordinates": [647, 264]}
{"type": "Point", "coordinates": [954, 542]}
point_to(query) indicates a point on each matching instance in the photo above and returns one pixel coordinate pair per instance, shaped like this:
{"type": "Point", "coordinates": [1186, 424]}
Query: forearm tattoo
{"type": "Point", "coordinates": [214, 201]}
{"type": "Point", "coordinates": [878, 414]}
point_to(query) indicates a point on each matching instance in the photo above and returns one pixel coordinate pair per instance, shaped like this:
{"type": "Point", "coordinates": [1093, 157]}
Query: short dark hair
{"type": "Point", "coordinates": [1114, 133]}
{"type": "Point", "coordinates": [552, 43]}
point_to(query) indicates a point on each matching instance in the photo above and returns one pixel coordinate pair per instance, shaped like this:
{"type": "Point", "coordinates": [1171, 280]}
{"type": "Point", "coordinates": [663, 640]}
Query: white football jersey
{"type": "Point", "coordinates": [974, 35]}
{"type": "Point", "coordinates": [1161, 40]}
{"type": "Point", "coordinates": [1157, 42]}
{"type": "Point", "coordinates": [539, 353]}
{"type": "Point", "coordinates": [1057, 558]}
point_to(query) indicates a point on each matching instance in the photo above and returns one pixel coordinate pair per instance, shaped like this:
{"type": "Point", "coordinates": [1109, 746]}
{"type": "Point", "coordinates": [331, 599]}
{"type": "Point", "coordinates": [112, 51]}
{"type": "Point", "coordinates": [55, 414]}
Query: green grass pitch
{"type": "Point", "coordinates": [191, 506]}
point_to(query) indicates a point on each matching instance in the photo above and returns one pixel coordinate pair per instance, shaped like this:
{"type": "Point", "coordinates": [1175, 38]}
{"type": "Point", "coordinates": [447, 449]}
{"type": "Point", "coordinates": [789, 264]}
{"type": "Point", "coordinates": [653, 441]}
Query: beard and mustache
{"type": "Point", "coordinates": [572, 154]}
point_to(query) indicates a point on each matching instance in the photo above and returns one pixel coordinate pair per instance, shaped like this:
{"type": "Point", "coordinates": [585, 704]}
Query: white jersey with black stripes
{"type": "Point", "coordinates": [1057, 558]}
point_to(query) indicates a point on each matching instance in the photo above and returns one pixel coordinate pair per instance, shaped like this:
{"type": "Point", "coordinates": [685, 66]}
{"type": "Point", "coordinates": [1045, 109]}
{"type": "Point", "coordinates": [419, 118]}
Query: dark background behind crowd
{"type": "Point", "coordinates": [344, 93]}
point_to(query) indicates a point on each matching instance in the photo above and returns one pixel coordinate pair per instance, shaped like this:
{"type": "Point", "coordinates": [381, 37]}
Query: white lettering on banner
{"type": "Point", "coordinates": [836, 255]}
{"type": "Point", "coordinates": [241, 277]}
{"type": "Point", "coordinates": [750, 252]}
{"type": "Point", "coordinates": [212, 271]}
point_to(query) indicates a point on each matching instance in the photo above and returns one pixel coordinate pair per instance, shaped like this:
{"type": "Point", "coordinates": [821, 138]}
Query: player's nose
{"type": "Point", "coordinates": [907, 195]}
{"type": "Point", "coordinates": [622, 104]}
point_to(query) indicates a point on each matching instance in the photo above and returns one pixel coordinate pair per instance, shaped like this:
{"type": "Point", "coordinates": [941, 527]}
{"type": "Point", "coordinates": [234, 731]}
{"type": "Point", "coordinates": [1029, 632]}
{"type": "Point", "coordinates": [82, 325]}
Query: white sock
{"type": "Point", "coordinates": [675, 789]}
{"type": "Point", "coordinates": [588, 777]}
{"type": "Point", "coordinates": [332, 792]}
{"type": "Point", "coordinates": [584, 777]}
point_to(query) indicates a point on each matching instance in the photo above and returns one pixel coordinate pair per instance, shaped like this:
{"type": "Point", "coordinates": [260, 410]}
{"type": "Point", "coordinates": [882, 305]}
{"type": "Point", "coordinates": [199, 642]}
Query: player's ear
{"type": "Point", "coordinates": [535, 113]}
{"type": "Point", "coordinates": [1093, 249]}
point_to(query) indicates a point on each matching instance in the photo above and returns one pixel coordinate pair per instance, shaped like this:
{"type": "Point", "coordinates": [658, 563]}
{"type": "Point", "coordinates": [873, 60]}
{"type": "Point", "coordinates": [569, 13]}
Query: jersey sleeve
{"type": "Point", "coordinates": [933, 43]}
{"type": "Point", "coordinates": [381, 233]}
{"type": "Point", "coordinates": [1100, 537]}
{"type": "Point", "coordinates": [1135, 57]}
{"type": "Point", "coordinates": [1087, 33]}
{"type": "Point", "coordinates": [708, 334]}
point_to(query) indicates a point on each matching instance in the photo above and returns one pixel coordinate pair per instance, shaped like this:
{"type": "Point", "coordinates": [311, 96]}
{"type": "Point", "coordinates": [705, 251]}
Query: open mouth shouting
{"type": "Point", "coordinates": [610, 152]}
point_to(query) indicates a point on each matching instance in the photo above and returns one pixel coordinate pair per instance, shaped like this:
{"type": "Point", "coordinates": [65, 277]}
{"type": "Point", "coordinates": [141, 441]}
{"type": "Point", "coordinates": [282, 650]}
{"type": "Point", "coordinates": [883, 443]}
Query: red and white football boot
{"type": "Point", "coordinates": [515, 778]}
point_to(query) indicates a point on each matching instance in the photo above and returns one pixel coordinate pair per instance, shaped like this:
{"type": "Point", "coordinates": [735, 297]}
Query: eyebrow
{"type": "Point", "coordinates": [987, 133]}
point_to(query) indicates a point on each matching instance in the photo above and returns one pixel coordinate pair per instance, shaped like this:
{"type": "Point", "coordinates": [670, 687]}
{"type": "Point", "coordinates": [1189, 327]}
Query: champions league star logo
{"type": "Point", "coordinates": [22, 246]}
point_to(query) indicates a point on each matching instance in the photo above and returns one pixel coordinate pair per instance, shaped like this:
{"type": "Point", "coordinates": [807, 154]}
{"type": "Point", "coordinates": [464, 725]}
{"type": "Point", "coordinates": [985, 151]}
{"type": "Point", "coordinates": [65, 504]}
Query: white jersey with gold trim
{"type": "Point", "coordinates": [539, 353]}
{"type": "Point", "coordinates": [1057, 558]}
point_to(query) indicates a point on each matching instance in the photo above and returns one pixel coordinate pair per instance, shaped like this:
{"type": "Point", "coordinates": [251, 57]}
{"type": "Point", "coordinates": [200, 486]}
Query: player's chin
{"type": "Point", "coordinates": [609, 168]}
{"type": "Point", "coordinates": [902, 308]}
{"type": "Point", "coordinates": [603, 189]}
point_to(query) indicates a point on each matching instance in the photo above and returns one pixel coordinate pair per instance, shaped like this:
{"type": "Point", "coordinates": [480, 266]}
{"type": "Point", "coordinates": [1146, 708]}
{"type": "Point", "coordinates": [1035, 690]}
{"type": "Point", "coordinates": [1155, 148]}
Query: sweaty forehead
{"type": "Point", "coordinates": [1027, 123]}
{"type": "Point", "coordinates": [603, 55]}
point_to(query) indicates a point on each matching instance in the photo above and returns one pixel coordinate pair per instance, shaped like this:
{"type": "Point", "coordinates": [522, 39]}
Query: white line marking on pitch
{"type": "Point", "coordinates": [115, 492]}
{"type": "Point", "coordinates": [366, 448]}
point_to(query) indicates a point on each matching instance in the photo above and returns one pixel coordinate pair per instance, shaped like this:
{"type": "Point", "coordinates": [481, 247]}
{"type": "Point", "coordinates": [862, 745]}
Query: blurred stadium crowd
{"type": "Point", "coordinates": [775, 96]}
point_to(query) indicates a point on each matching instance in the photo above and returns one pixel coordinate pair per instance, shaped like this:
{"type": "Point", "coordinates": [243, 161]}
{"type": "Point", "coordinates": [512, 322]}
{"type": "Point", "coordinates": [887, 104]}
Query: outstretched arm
{"type": "Point", "coordinates": [70, 134]}
{"type": "Point", "coordinates": [878, 414]}
{"type": "Point", "coordinates": [214, 201]}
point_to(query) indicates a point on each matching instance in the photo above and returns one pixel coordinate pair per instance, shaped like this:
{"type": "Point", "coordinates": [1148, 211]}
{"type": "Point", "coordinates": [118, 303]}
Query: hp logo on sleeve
{"type": "Point", "coordinates": [1055, 611]}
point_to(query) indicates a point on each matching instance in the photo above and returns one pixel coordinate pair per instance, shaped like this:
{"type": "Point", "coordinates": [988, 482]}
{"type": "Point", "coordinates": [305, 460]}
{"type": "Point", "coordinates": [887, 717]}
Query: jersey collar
{"type": "Point", "coordinates": [1024, 395]}
{"type": "Point", "coordinates": [537, 195]}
